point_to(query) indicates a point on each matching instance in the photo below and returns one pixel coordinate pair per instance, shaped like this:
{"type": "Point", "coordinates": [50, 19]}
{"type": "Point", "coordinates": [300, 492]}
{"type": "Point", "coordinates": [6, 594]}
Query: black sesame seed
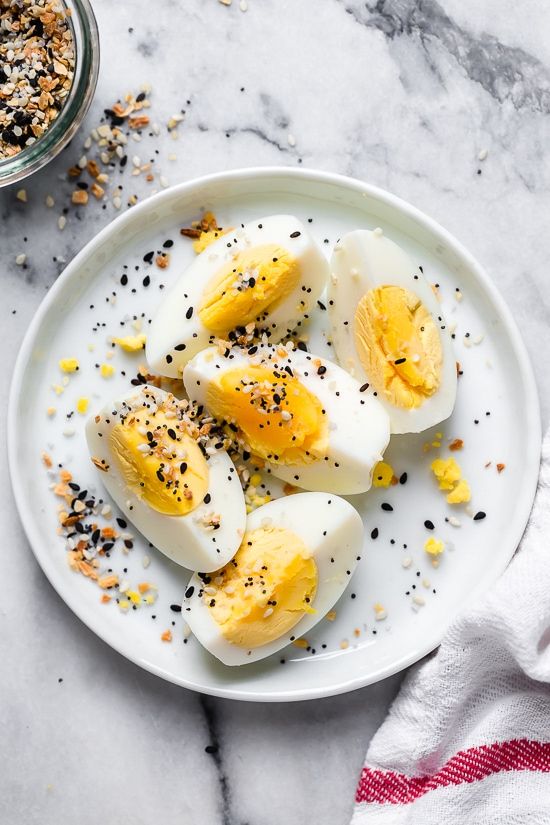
{"type": "Point", "coordinates": [403, 478]}
{"type": "Point", "coordinates": [429, 525]}
{"type": "Point", "coordinates": [295, 234]}
{"type": "Point", "coordinates": [189, 313]}
{"type": "Point", "coordinates": [374, 533]}
{"type": "Point", "coordinates": [387, 507]}
{"type": "Point", "coordinates": [175, 608]}
{"type": "Point", "coordinates": [480, 515]}
{"type": "Point", "coordinates": [189, 592]}
{"type": "Point", "coordinates": [364, 387]}
{"type": "Point", "coordinates": [179, 347]}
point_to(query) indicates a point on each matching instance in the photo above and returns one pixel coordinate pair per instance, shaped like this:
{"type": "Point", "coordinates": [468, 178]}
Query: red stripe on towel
{"type": "Point", "coordinates": [466, 766]}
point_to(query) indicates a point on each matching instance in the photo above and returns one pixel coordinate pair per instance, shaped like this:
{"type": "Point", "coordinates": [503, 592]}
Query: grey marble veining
{"type": "Point", "coordinates": [403, 94]}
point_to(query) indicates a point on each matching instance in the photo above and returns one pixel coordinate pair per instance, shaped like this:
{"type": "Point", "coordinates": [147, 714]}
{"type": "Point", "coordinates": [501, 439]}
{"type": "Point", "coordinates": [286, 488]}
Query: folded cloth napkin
{"type": "Point", "coordinates": [467, 740]}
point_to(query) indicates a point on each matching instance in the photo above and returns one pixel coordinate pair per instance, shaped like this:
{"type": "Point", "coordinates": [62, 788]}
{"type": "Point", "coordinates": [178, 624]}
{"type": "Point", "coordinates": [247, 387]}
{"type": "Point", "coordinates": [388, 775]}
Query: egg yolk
{"type": "Point", "coordinates": [446, 471]}
{"type": "Point", "coordinates": [383, 475]}
{"type": "Point", "coordinates": [280, 420]}
{"type": "Point", "coordinates": [265, 590]}
{"type": "Point", "coordinates": [159, 461]}
{"type": "Point", "coordinates": [398, 345]}
{"type": "Point", "coordinates": [449, 477]}
{"type": "Point", "coordinates": [247, 287]}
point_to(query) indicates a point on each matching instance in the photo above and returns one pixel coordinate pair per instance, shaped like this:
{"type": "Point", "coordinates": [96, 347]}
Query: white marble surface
{"type": "Point", "coordinates": [402, 93]}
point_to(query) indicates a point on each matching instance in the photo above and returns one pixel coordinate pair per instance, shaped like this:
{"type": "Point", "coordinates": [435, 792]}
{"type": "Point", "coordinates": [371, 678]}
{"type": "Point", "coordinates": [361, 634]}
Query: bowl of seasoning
{"type": "Point", "coordinates": [49, 62]}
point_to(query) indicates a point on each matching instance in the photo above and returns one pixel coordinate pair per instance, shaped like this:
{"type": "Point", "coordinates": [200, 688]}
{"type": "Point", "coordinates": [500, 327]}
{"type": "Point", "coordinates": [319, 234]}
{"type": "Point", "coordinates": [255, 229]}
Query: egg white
{"type": "Point", "coordinates": [177, 334]}
{"type": "Point", "coordinates": [309, 516]}
{"type": "Point", "coordinates": [358, 425]}
{"type": "Point", "coordinates": [363, 260]}
{"type": "Point", "coordinates": [183, 539]}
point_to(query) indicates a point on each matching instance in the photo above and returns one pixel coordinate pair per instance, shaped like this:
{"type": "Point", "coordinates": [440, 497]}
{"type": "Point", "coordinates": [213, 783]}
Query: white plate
{"type": "Point", "coordinates": [497, 379]}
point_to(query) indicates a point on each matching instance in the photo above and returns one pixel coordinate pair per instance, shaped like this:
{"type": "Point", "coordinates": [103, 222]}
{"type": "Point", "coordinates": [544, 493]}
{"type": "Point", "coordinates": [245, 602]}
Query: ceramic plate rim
{"type": "Point", "coordinates": [532, 447]}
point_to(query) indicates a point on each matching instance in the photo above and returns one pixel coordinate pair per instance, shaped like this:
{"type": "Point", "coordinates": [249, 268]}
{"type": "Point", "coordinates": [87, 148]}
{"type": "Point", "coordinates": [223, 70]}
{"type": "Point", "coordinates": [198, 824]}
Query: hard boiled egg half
{"type": "Point", "coordinates": [388, 330]}
{"type": "Point", "coordinates": [295, 560]}
{"type": "Point", "coordinates": [268, 274]}
{"type": "Point", "coordinates": [303, 415]}
{"type": "Point", "coordinates": [156, 465]}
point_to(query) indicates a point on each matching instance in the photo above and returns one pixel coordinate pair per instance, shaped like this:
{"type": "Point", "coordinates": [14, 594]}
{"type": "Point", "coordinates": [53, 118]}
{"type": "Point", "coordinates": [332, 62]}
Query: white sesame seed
{"type": "Point", "coordinates": [146, 561]}
{"type": "Point", "coordinates": [291, 140]}
{"type": "Point", "coordinates": [268, 612]}
{"type": "Point", "coordinates": [210, 591]}
{"type": "Point", "coordinates": [22, 195]}
{"type": "Point", "coordinates": [62, 222]}
{"type": "Point", "coordinates": [106, 510]}
{"type": "Point", "coordinates": [117, 202]}
{"type": "Point", "coordinates": [419, 600]}
{"type": "Point", "coordinates": [186, 630]}
{"type": "Point", "coordinates": [20, 259]}
{"type": "Point", "coordinates": [406, 562]}
{"type": "Point", "coordinates": [68, 432]}
{"type": "Point", "coordinates": [163, 181]}
{"type": "Point", "coordinates": [453, 521]}
{"type": "Point", "coordinates": [49, 201]}
{"type": "Point", "coordinates": [483, 154]}
{"type": "Point", "coordinates": [124, 586]}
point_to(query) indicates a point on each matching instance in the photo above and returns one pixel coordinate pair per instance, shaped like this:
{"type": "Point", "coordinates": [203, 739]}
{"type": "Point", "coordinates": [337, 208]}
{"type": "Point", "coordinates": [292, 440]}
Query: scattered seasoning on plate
{"type": "Point", "coordinates": [37, 59]}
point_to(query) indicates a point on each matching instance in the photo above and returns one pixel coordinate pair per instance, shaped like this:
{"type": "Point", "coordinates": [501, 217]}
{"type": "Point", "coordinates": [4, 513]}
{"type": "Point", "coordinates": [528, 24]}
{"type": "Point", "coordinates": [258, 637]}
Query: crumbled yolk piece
{"type": "Point", "coordinates": [398, 345]}
{"type": "Point", "coordinates": [252, 283]}
{"type": "Point", "coordinates": [82, 405]}
{"type": "Point", "coordinates": [206, 238]}
{"type": "Point", "coordinates": [447, 472]}
{"type": "Point", "coordinates": [382, 475]}
{"type": "Point", "coordinates": [449, 476]}
{"type": "Point", "coordinates": [132, 343]}
{"type": "Point", "coordinates": [106, 370]}
{"type": "Point", "coordinates": [434, 547]}
{"type": "Point", "coordinates": [278, 417]}
{"type": "Point", "coordinates": [159, 461]}
{"type": "Point", "coordinates": [69, 365]}
{"type": "Point", "coordinates": [265, 590]}
{"type": "Point", "coordinates": [461, 493]}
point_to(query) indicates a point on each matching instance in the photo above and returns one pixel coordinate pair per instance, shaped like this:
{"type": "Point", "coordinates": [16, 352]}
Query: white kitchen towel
{"type": "Point", "coordinates": [467, 740]}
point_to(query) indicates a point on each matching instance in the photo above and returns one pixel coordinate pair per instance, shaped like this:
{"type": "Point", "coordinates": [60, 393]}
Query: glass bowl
{"type": "Point", "coordinates": [63, 128]}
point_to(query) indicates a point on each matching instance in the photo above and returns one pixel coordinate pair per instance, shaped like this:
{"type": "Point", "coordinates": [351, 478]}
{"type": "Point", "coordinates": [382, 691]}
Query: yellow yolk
{"type": "Point", "coordinates": [107, 370]}
{"type": "Point", "coordinates": [132, 343]}
{"type": "Point", "coordinates": [68, 365]}
{"type": "Point", "coordinates": [279, 419]}
{"type": "Point", "coordinates": [434, 547]}
{"type": "Point", "coordinates": [253, 282]}
{"type": "Point", "coordinates": [449, 476]}
{"type": "Point", "coordinates": [382, 475]}
{"type": "Point", "coordinates": [265, 590]}
{"type": "Point", "coordinates": [461, 493]}
{"type": "Point", "coordinates": [82, 405]}
{"type": "Point", "coordinates": [447, 472]}
{"type": "Point", "coordinates": [398, 345]}
{"type": "Point", "coordinates": [206, 238]}
{"type": "Point", "coordinates": [160, 462]}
